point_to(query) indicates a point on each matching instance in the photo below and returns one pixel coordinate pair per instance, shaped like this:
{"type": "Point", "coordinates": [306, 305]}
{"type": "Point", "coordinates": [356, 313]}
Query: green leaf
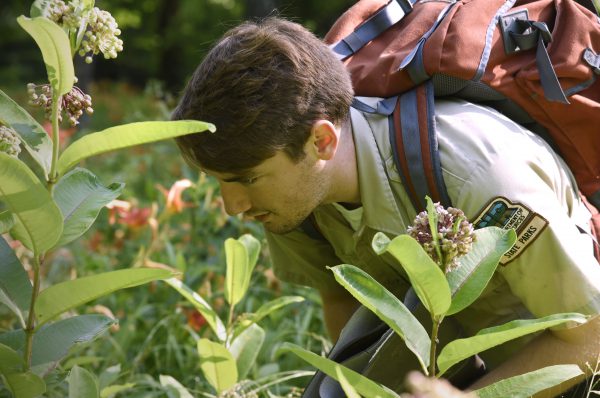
{"type": "Point", "coordinates": [485, 339]}
{"type": "Point", "coordinates": [112, 390]}
{"type": "Point", "coordinates": [346, 386]}
{"type": "Point", "coordinates": [15, 286]}
{"type": "Point", "coordinates": [265, 310]}
{"type": "Point", "coordinates": [387, 307]}
{"type": "Point", "coordinates": [202, 306]}
{"type": "Point", "coordinates": [33, 136]}
{"type": "Point", "coordinates": [241, 256]}
{"type": "Point", "coordinates": [168, 381]}
{"type": "Point", "coordinates": [425, 275]}
{"type": "Point", "coordinates": [361, 384]}
{"type": "Point", "coordinates": [245, 348]}
{"type": "Point", "coordinates": [82, 384]}
{"type": "Point", "coordinates": [7, 221]}
{"type": "Point", "coordinates": [476, 268]}
{"type": "Point", "coordinates": [217, 365]}
{"type": "Point", "coordinates": [21, 384]}
{"type": "Point", "coordinates": [125, 136]}
{"type": "Point", "coordinates": [39, 221]}
{"type": "Point", "coordinates": [528, 384]}
{"type": "Point", "coordinates": [64, 296]}
{"type": "Point", "coordinates": [56, 51]}
{"type": "Point", "coordinates": [80, 197]}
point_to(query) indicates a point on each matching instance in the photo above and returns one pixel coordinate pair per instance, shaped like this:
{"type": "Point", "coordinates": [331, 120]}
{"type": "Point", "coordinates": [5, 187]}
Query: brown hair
{"type": "Point", "coordinates": [263, 85]}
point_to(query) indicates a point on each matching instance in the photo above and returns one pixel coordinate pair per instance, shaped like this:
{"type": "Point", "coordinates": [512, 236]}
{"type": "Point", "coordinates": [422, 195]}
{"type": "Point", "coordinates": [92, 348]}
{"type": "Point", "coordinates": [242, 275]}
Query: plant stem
{"type": "Point", "coordinates": [432, 351]}
{"type": "Point", "coordinates": [53, 177]}
{"type": "Point", "coordinates": [29, 329]}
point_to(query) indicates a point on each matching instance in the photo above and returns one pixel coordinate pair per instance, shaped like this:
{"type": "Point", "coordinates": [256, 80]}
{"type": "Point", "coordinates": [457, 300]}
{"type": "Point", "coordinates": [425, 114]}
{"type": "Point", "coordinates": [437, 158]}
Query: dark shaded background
{"type": "Point", "coordinates": [164, 40]}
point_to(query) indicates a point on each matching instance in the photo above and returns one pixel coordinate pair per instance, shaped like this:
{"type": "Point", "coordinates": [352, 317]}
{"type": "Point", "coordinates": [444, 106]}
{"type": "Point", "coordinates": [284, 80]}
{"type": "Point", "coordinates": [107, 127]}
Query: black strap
{"type": "Point", "coordinates": [386, 17]}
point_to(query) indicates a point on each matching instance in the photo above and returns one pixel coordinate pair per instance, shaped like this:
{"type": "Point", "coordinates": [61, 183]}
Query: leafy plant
{"type": "Point", "coordinates": [47, 202]}
{"type": "Point", "coordinates": [446, 279]}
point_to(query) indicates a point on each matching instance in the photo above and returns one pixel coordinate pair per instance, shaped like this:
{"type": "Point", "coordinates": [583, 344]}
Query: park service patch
{"type": "Point", "coordinates": [503, 213]}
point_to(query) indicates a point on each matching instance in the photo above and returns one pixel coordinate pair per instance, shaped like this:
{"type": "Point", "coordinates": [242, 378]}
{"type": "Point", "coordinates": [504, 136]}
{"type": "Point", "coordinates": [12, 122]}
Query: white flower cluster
{"type": "Point", "coordinates": [454, 231]}
{"type": "Point", "coordinates": [9, 141]}
{"type": "Point", "coordinates": [102, 36]}
{"type": "Point", "coordinates": [73, 104]}
{"type": "Point", "coordinates": [103, 30]}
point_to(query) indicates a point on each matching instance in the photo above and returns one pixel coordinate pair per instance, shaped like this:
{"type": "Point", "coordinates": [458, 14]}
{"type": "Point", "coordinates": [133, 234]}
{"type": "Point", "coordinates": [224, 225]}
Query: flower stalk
{"type": "Point", "coordinates": [30, 327]}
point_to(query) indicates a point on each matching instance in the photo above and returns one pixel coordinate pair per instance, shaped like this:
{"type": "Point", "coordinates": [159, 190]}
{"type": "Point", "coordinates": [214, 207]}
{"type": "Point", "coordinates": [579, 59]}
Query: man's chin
{"type": "Point", "coordinates": [280, 228]}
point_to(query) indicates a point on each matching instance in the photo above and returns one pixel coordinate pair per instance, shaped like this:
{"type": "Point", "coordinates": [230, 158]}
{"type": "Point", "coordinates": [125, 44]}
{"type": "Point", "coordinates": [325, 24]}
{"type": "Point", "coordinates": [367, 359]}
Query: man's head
{"type": "Point", "coordinates": [265, 86]}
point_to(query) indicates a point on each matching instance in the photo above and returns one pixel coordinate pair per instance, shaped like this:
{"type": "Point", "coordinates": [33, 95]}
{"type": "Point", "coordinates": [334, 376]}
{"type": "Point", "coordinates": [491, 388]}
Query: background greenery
{"type": "Point", "coordinates": [164, 40]}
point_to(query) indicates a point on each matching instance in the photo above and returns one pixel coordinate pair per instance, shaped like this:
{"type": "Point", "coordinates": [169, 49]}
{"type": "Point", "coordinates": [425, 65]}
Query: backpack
{"type": "Point", "coordinates": [536, 61]}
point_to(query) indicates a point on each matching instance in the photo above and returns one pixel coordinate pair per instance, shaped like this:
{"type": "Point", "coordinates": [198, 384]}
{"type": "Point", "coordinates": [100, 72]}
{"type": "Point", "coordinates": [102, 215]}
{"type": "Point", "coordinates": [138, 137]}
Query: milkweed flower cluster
{"type": "Point", "coordinates": [9, 141]}
{"type": "Point", "coordinates": [102, 35]}
{"type": "Point", "coordinates": [452, 237]}
{"type": "Point", "coordinates": [73, 104]}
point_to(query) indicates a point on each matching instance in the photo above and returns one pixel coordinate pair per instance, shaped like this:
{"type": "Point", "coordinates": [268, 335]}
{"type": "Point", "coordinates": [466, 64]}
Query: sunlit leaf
{"type": "Point", "coordinates": [168, 381]}
{"type": "Point", "coordinates": [387, 307]}
{"type": "Point", "coordinates": [114, 389]}
{"type": "Point", "coordinates": [460, 349]}
{"type": "Point", "coordinates": [64, 296]}
{"type": "Point", "coordinates": [7, 221]}
{"type": "Point", "coordinates": [265, 310]}
{"type": "Point", "coordinates": [213, 320]}
{"type": "Point", "coordinates": [528, 384]}
{"type": "Point", "coordinates": [39, 221]}
{"type": "Point", "coordinates": [125, 136]}
{"type": "Point", "coordinates": [217, 365]}
{"type": "Point", "coordinates": [80, 197]}
{"type": "Point", "coordinates": [245, 348]}
{"type": "Point", "coordinates": [346, 386]}
{"type": "Point", "coordinates": [82, 384]}
{"type": "Point", "coordinates": [33, 136]}
{"type": "Point", "coordinates": [241, 256]}
{"type": "Point", "coordinates": [56, 51]}
{"type": "Point", "coordinates": [15, 286]}
{"type": "Point", "coordinates": [476, 268]}
{"type": "Point", "coordinates": [361, 384]}
{"type": "Point", "coordinates": [425, 275]}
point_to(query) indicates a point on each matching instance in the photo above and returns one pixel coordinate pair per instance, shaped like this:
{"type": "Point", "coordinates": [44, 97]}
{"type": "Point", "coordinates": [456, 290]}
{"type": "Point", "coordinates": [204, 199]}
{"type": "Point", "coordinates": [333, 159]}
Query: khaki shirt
{"type": "Point", "coordinates": [486, 159]}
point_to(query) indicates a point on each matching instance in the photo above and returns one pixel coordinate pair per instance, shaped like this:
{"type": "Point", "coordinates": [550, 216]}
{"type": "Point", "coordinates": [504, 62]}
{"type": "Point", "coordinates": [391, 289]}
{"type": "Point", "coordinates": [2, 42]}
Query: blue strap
{"type": "Point", "coordinates": [386, 17]}
{"type": "Point", "coordinates": [384, 107]}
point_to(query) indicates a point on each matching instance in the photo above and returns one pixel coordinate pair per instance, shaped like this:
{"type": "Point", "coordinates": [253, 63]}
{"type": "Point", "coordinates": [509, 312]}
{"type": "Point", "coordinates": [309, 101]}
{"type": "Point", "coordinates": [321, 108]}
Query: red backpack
{"type": "Point", "coordinates": [537, 61]}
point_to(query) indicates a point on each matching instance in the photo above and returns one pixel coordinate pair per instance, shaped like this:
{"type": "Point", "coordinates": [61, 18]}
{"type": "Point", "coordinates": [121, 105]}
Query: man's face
{"type": "Point", "coordinates": [278, 193]}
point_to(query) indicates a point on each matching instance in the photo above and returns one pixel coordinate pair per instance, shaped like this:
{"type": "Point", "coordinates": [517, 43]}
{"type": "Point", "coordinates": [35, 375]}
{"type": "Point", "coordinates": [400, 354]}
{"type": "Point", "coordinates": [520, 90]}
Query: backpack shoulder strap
{"type": "Point", "coordinates": [414, 142]}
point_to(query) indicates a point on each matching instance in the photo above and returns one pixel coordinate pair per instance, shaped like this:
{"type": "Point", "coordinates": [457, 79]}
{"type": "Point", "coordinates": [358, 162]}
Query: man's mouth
{"type": "Point", "coordinates": [260, 217]}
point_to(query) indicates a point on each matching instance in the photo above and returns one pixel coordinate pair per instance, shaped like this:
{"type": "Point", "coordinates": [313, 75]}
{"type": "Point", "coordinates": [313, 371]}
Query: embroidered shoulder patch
{"type": "Point", "coordinates": [503, 213]}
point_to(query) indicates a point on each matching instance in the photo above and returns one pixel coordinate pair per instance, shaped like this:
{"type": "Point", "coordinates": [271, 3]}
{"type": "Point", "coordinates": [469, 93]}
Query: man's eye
{"type": "Point", "coordinates": [249, 180]}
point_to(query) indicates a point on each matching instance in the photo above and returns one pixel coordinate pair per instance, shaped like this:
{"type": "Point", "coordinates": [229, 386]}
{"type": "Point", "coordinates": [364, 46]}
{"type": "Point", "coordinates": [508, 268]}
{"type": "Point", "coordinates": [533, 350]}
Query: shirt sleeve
{"type": "Point", "coordinates": [300, 259]}
{"type": "Point", "coordinates": [498, 172]}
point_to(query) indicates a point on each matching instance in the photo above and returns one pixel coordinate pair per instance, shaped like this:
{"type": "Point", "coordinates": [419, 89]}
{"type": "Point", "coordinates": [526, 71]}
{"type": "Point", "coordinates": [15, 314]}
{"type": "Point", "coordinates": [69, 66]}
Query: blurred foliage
{"type": "Point", "coordinates": [164, 40]}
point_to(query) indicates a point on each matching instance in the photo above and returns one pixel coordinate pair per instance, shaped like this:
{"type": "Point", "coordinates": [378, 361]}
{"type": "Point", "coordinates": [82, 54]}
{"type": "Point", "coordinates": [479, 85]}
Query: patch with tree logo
{"type": "Point", "coordinates": [501, 212]}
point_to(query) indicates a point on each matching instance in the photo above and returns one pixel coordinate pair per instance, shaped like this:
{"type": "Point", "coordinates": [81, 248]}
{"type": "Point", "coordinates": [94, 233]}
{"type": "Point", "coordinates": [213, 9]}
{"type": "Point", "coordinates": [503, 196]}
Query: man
{"type": "Point", "coordinates": [288, 145]}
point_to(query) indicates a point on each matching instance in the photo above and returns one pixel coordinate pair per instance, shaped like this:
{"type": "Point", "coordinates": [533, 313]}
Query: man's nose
{"type": "Point", "coordinates": [235, 198]}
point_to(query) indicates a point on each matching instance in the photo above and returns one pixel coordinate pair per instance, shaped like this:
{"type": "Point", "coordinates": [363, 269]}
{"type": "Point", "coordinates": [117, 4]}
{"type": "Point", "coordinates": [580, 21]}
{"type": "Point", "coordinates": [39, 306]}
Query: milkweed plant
{"type": "Point", "coordinates": [449, 264]}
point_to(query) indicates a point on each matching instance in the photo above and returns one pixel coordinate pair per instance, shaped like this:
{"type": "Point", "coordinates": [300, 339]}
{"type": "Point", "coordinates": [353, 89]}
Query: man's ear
{"type": "Point", "coordinates": [325, 139]}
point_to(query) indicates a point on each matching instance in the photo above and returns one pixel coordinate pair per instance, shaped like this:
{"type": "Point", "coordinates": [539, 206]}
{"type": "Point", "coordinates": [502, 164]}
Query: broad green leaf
{"type": "Point", "coordinates": [425, 275]}
{"type": "Point", "coordinates": [32, 134]}
{"type": "Point", "coordinates": [168, 381]}
{"type": "Point", "coordinates": [346, 386]}
{"type": "Point", "coordinates": [245, 348]}
{"type": "Point", "coordinates": [82, 384]}
{"type": "Point", "coordinates": [213, 320]}
{"type": "Point", "coordinates": [21, 384]}
{"type": "Point", "coordinates": [15, 286]}
{"type": "Point", "coordinates": [217, 365]}
{"type": "Point", "coordinates": [39, 221]}
{"type": "Point", "coordinates": [7, 221]}
{"type": "Point", "coordinates": [485, 339]}
{"type": "Point", "coordinates": [476, 268]}
{"type": "Point", "coordinates": [125, 136]}
{"type": "Point", "coordinates": [528, 384]}
{"type": "Point", "coordinates": [387, 307]}
{"type": "Point", "coordinates": [361, 384]}
{"type": "Point", "coordinates": [64, 296]}
{"type": "Point", "coordinates": [80, 197]}
{"type": "Point", "coordinates": [56, 51]}
{"type": "Point", "coordinates": [241, 256]}
{"type": "Point", "coordinates": [112, 390]}
{"type": "Point", "coordinates": [265, 310]}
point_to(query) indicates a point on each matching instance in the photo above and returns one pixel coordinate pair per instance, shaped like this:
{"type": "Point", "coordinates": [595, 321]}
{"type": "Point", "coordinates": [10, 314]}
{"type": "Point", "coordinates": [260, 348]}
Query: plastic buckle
{"type": "Point", "coordinates": [508, 25]}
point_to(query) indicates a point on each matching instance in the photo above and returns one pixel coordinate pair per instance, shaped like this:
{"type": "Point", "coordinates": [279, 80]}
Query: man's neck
{"type": "Point", "coordinates": [345, 187]}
